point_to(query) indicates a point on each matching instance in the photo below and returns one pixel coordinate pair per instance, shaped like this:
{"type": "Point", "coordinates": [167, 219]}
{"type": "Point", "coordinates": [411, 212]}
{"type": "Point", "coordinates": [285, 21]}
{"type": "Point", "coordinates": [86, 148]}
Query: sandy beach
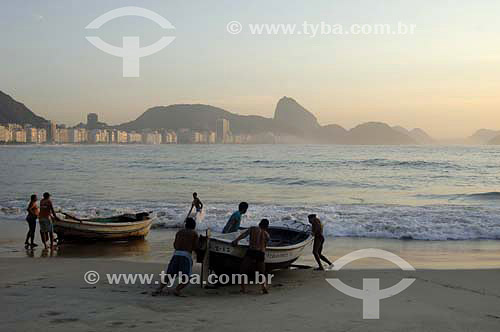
{"type": "Point", "coordinates": [50, 294]}
{"type": "Point", "coordinates": [46, 290]}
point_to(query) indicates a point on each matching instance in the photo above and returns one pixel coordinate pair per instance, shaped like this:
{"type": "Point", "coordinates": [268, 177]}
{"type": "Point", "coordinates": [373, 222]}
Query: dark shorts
{"type": "Point", "coordinates": [257, 255]}
{"type": "Point", "coordinates": [31, 222]}
{"type": "Point", "coordinates": [179, 264]}
{"type": "Point", "coordinates": [318, 243]}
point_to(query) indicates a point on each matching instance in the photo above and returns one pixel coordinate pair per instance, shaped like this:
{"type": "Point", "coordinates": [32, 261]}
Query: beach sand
{"type": "Point", "coordinates": [47, 291]}
{"type": "Point", "coordinates": [43, 294]}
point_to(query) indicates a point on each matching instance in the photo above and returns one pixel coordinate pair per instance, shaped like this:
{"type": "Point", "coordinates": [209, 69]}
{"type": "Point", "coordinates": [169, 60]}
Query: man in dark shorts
{"type": "Point", "coordinates": [45, 217]}
{"type": "Point", "coordinates": [31, 219]}
{"type": "Point", "coordinates": [256, 253]}
{"type": "Point", "coordinates": [319, 239]}
{"type": "Point", "coordinates": [186, 241]}
{"type": "Point", "coordinates": [197, 205]}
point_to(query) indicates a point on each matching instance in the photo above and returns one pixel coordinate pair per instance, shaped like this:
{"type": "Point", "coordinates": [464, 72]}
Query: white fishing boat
{"type": "Point", "coordinates": [286, 244]}
{"type": "Point", "coordinates": [122, 227]}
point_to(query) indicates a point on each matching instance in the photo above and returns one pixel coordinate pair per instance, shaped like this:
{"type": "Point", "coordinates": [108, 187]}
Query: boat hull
{"type": "Point", "coordinates": [87, 230]}
{"type": "Point", "coordinates": [225, 258]}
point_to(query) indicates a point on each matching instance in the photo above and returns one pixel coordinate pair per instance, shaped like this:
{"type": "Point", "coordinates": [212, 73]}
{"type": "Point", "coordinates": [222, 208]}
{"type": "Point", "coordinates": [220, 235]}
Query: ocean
{"type": "Point", "coordinates": [389, 192]}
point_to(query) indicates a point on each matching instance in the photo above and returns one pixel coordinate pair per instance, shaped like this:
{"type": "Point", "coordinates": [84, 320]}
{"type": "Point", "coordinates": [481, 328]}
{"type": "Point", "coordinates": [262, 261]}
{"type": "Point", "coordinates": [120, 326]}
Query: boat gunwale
{"type": "Point", "coordinates": [102, 224]}
{"type": "Point", "coordinates": [300, 244]}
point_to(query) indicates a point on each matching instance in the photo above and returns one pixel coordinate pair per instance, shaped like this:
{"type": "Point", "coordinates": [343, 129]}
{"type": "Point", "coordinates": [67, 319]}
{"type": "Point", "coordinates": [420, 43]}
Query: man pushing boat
{"type": "Point", "coordinates": [319, 239]}
{"type": "Point", "coordinates": [256, 252]}
{"type": "Point", "coordinates": [186, 241]}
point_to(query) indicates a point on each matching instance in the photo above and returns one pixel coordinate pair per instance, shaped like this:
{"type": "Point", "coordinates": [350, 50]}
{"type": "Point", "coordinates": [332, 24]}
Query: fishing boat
{"type": "Point", "coordinates": [286, 244]}
{"type": "Point", "coordinates": [122, 227]}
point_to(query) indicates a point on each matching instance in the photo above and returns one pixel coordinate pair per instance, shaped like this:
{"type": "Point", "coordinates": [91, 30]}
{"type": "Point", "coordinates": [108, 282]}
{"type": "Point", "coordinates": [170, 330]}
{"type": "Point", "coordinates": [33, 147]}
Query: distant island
{"type": "Point", "coordinates": [199, 123]}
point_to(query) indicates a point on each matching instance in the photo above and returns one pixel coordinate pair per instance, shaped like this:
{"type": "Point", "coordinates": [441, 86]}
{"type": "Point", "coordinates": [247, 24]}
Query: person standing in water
{"type": "Point", "coordinates": [31, 219]}
{"type": "Point", "coordinates": [47, 214]}
{"type": "Point", "coordinates": [196, 204]}
{"type": "Point", "coordinates": [319, 239]}
{"type": "Point", "coordinates": [233, 224]}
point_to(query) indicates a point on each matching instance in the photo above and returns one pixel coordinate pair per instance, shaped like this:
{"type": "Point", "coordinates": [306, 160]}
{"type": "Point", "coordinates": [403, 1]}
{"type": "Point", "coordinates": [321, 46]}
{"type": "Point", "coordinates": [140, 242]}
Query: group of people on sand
{"type": "Point", "coordinates": [186, 241]}
{"type": "Point", "coordinates": [45, 215]}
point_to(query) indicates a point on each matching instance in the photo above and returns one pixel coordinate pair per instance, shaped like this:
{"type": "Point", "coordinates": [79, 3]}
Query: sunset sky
{"type": "Point", "coordinates": [445, 78]}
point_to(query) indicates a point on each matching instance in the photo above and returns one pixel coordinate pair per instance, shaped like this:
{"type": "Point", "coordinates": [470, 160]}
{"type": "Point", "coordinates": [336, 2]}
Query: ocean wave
{"type": "Point", "coordinates": [492, 195]}
{"type": "Point", "coordinates": [432, 222]}
{"type": "Point", "coordinates": [419, 164]}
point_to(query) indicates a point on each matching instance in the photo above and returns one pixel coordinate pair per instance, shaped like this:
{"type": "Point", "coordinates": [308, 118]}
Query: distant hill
{"type": "Point", "coordinates": [377, 133]}
{"type": "Point", "coordinates": [483, 136]}
{"type": "Point", "coordinates": [420, 136]}
{"type": "Point", "coordinates": [197, 117]}
{"type": "Point", "coordinates": [12, 111]}
{"type": "Point", "coordinates": [494, 141]}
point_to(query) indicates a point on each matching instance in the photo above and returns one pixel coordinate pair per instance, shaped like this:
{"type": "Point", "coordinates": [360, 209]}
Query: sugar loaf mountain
{"type": "Point", "coordinates": [291, 123]}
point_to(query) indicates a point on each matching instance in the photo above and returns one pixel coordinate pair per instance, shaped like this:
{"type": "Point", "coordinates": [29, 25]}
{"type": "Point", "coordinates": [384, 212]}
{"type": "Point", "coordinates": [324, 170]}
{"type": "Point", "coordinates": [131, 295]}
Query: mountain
{"type": "Point", "coordinates": [333, 134]}
{"type": "Point", "coordinates": [292, 123]}
{"type": "Point", "coordinates": [291, 116]}
{"type": "Point", "coordinates": [374, 133]}
{"type": "Point", "coordinates": [197, 117]}
{"type": "Point", "coordinates": [12, 111]}
{"type": "Point", "coordinates": [494, 141]}
{"type": "Point", "coordinates": [418, 135]}
{"type": "Point", "coordinates": [483, 136]}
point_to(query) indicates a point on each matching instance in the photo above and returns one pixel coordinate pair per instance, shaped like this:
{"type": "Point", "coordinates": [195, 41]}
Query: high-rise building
{"type": "Point", "coordinates": [51, 132]}
{"type": "Point", "coordinates": [222, 131]}
{"type": "Point", "coordinates": [5, 134]}
{"type": "Point", "coordinates": [42, 135]}
{"type": "Point", "coordinates": [121, 136]}
{"type": "Point", "coordinates": [31, 135]}
{"type": "Point", "coordinates": [92, 120]}
{"type": "Point", "coordinates": [134, 138]}
{"type": "Point", "coordinates": [19, 135]}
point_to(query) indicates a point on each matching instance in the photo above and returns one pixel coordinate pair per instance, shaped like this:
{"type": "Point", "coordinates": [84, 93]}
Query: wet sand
{"type": "Point", "coordinates": [44, 290]}
{"type": "Point", "coordinates": [157, 248]}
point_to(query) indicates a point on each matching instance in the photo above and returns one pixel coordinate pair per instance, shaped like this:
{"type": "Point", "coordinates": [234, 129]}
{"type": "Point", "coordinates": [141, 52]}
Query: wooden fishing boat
{"type": "Point", "coordinates": [285, 247]}
{"type": "Point", "coordinates": [122, 227]}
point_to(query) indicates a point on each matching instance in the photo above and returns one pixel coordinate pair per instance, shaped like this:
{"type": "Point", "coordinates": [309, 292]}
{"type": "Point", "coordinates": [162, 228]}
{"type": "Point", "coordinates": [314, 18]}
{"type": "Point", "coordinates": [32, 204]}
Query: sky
{"type": "Point", "coordinates": [444, 78]}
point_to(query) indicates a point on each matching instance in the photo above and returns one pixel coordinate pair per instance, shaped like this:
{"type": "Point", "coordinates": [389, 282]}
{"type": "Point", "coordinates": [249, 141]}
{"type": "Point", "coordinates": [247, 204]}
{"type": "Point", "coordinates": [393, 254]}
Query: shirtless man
{"type": "Point", "coordinates": [196, 204]}
{"type": "Point", "coordinates": [186, 241]}
{"type": "Point", "coordinates": [256, 252]}
{"type": "Point", "coordinates": [319, 239]}
{"type": "Point", "coordinates": [46, 215]}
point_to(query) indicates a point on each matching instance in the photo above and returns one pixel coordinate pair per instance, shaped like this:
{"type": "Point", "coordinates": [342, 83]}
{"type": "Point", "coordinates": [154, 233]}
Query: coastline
{"type": "Point", "coordinates": [157, 248]}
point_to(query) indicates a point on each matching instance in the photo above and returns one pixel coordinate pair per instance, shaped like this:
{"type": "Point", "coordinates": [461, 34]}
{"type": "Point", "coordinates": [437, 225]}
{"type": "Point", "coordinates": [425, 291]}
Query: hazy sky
{"type": "Point", "coordinates": [445, 78]}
